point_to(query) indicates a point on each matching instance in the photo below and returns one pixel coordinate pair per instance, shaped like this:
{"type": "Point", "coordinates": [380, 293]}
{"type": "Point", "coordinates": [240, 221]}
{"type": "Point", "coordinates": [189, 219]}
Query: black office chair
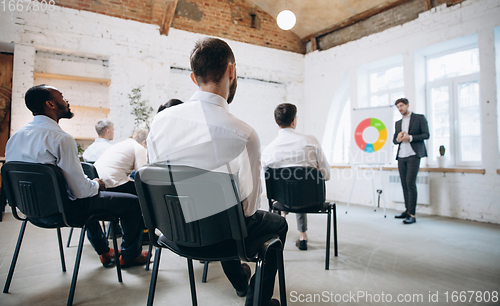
{"type": "Point", "coordinates": [91, 173]}
{"type": "Point", "coordinates": [170, 195]}
{"type": "Point", "coordinates": [39, 191]}
{"type": "Point", "coordinates": [301, 190]}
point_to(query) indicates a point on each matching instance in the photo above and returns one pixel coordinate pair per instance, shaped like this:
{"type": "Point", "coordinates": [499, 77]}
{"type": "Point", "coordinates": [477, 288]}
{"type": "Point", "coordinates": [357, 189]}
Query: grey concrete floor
{"type": "Point", "coordinates": [380, 262]}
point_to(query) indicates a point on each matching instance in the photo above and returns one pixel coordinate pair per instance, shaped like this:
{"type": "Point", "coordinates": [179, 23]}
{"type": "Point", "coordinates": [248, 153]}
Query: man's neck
{"type": "Point", "coordinates": [407, 114]}
{"type": "Point", "coordinates": [215, 89]}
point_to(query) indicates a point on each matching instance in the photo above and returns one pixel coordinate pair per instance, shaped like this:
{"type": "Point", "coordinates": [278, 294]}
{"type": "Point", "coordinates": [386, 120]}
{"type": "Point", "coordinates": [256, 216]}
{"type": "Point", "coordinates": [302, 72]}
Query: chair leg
{"type": "Point", "coordinates": [150, 250]}
{"type": "Point", "coordinates": [281, 277]}
{"type": "Point", "coordinates": [61, 251]}
{"type": "Point", "coordinates": [335, 229]}
{"type": "Point", "coordinates": [205, 272]}
{"type": "Point", "coordinates": [77, 267]}
{"type": "Point", "coordinates": [328, 234]}
{"type": "Point", "coordinates": [69, 237]}
{"type": "Point", "coordinates": [257, 296]}
{"type": "Point", "coordinates": [191, 282]}
{"type": "Point", "coordinates": [14, 258]}
{"type": "Point", "coordinates": [154, 277]}
{"type": "Point", "coordinates": [108, 232]}
{"type": "Point", "coordinates": [117, 257]}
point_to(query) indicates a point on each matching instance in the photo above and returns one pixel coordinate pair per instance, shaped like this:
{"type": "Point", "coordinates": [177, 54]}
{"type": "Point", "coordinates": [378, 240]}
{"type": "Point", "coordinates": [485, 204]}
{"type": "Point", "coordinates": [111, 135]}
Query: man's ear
{"type": "Point", "coordinates": [232, 71]}
{"type": "Point", "coordinates": [50, 104]}
{"type": "Point", "coordinates": [194, 79]}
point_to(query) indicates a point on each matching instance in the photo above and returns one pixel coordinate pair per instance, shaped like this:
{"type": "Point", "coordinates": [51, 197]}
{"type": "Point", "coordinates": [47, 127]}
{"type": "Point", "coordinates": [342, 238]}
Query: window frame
{"type": "Point", "coordinates": [452, 84]}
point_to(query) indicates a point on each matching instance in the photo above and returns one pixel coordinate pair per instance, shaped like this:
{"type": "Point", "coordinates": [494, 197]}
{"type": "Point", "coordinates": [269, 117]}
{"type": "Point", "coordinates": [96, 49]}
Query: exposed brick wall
{"type": "Point", "coordinates": [230, 19]}
{"type": "Point", "coordinates": [233, 19]}
{"type": "Point", "coordinates": [375, 24]}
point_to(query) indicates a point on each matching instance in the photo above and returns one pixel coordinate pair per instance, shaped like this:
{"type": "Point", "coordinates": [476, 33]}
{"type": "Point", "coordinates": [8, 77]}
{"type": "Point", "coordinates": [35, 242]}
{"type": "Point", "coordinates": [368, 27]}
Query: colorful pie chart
{"type": "Point", "coordinates": [382, 135]}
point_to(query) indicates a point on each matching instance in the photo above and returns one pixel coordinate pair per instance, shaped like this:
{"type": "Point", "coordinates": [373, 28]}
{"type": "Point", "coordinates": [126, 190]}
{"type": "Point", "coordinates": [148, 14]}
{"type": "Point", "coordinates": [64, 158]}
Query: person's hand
{"type": "Point", "coordinates": [406, 137]}
{"type": "Point", "coordinates": [102, 187]}
{"type": "Point", "coordinates": [400, 136]}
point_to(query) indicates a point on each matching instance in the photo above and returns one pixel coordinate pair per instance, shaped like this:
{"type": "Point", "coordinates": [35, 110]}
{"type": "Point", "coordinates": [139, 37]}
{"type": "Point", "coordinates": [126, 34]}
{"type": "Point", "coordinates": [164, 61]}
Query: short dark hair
{"type": "Point", "coordinates": [170, 103]}
{"type": "Point", "coordinates": [209, 60]}
{"type": "Point", "coordinates": [402, 100]}
{"type": "Point", "coordinates": [284, 114]}
{"type": "Point", "coordinates": [36, 97]}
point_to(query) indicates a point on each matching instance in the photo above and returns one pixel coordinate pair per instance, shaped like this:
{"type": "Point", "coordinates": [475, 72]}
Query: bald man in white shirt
{"type": "Point", "coordinates": [292, 149]}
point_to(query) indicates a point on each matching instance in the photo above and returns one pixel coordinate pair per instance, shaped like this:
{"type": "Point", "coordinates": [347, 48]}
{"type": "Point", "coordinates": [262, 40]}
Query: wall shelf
{"type": "Point", "coordinates": [107, 82]}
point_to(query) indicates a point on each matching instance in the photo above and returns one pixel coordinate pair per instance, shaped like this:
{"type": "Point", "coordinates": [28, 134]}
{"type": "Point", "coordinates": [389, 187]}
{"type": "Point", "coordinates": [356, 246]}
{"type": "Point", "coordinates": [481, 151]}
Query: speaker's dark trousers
{"type": "Point", "coordinates": [408, 170]}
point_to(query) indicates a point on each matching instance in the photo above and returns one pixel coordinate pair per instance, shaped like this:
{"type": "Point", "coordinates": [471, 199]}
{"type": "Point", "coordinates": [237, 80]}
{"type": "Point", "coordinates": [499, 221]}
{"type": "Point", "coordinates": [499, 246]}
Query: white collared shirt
{"type": "Point", "coordinates": [117, 162]}
{"type": "Point", "coordinates": [405, 149]}
{"type": "Point", "coordinates": [95, 150]}
{"type": "Point", "coordinates": [292, 149]}
{"type": "Point", "coordinates": [43, 141]}
{"type": "Point", "coordinates": [202, 133]}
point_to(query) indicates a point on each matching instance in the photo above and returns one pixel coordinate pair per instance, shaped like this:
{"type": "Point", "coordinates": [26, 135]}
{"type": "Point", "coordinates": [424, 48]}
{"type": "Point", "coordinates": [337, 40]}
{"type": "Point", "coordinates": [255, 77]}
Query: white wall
{"type": "Point", "coordinates": [467, 196]}
{"type": "Point", "coordinates": [137, 55]}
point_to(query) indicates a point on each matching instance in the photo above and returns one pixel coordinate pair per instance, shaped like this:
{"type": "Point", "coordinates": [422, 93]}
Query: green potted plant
{"type": "Point", "coordinates": [140, 108]}
{"type": "Point", "coordinates": [441, 159]}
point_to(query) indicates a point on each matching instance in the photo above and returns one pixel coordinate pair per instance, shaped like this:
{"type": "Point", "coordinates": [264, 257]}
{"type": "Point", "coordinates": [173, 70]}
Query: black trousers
{"type": "Point", "coordinates": [260, 223]}
{"type": "Point", "coordinates": [124, 206]}
{"type": "Point", "coordinates": [408, 170]}
{"type": "Point", "coordinates": [128, 187]}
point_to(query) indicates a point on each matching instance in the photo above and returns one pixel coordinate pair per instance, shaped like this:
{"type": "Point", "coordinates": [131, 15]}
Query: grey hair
{"type": "Point", "coordinates": [140, 135]}
{"type": "Point", "coordinates": [102, 125]}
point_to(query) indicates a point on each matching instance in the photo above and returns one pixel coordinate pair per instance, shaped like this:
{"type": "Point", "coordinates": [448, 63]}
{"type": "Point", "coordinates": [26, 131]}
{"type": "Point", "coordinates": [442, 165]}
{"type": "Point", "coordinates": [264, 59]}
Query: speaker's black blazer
{"type": "Point", "coordinates": [418, 129]}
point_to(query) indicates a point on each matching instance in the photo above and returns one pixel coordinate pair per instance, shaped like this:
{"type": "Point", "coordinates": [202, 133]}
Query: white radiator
{"type": "Point", "coordinates": [422, 188]}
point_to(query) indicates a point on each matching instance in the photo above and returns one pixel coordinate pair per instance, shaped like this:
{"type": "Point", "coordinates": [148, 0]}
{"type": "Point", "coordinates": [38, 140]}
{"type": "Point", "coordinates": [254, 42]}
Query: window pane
{"type": "Point", "coordinates": [469, 117]}
{"type": "Point", "coordinates": [452, 65]}
{"type": "Point", "coordinates": [343, 139]}
{"type": "Point", "coordinates": [440, 104]}
{"type": "Point", "coordinates": [387, 79]}
{"type": "Point", "coordinates": [379, 100]}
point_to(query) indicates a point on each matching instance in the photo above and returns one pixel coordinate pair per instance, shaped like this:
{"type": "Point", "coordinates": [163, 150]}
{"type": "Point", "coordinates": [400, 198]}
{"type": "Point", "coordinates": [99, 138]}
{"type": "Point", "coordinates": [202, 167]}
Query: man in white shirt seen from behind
{"type": "Point", "coordinates": [116, 164]}
{"type": "Point", "coordinates": [43, 141]}
{"type": "Point", "coordinates": [106, 131]}
{"type": "Point", "coordinates": [292, 149]}
{"type": "Point", "coordinates": [202, 133]}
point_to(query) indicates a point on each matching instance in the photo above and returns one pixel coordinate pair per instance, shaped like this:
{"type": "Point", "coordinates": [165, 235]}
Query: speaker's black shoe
{"type": "Point", "coordinates": [409, 220]}
{"type": "Point", "coordinates": [402, 216]}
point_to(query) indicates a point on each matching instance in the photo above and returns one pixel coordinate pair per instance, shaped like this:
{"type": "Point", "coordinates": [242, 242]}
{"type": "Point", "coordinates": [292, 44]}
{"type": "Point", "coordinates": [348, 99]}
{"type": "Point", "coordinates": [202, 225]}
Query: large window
{"type": "Point", "coordinates": [453, 106]}
{"type": "Point", "coordinates": [343, 138]}
{"type": "Point", "coordinates": [386, 86]}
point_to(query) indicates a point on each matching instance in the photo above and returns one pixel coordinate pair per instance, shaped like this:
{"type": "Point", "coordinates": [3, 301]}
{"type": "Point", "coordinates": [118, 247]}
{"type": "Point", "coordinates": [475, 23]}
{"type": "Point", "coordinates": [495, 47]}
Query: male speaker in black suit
{"type": "Point", "coordinates": [410, 133]}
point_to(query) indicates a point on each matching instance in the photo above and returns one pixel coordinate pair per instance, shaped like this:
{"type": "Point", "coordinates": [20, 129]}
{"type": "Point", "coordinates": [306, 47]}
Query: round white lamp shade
{"type": "Point", "coordinates": [286, 20]}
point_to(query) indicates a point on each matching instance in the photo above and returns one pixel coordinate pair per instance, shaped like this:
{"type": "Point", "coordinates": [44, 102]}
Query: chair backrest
{"type": "Point", "coordinates": [89, 170]}
{"type": "Point", "coordinates": [295, 187]}
{"type": "Point", "coordinates": [190, 206]}
{"type": "Point", "coordinates": [37, 190]}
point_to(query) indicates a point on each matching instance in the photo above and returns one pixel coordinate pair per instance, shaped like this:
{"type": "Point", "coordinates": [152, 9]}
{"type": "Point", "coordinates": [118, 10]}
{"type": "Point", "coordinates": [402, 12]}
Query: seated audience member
{"type": "Point", "coordinates": [43, 141]}
{"type": "Point", "coordinates": [202, 133]}
{"type": "Point", "coordinates": [105, 131]}
{"type": "Point", "coordinates": [170, 103]}
{"type": "Point", "coordinates": [118, 161]}
{"type": "Point", "coordinates": [292, 149]}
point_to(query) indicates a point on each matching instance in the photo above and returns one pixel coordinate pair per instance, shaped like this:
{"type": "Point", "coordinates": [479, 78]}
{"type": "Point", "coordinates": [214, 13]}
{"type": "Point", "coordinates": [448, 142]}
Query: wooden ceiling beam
{"type": "Point", "coordinates": [168, 17]}
{"type": "Point", "coordinates": [163, 13]}
{"type": "Point", "coordinates": [356, 18]}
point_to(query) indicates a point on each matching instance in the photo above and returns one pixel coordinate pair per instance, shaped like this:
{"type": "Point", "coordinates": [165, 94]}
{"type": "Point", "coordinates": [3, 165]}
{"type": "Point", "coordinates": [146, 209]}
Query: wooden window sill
{"type": "Point", "coordinates": [426, 169]}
